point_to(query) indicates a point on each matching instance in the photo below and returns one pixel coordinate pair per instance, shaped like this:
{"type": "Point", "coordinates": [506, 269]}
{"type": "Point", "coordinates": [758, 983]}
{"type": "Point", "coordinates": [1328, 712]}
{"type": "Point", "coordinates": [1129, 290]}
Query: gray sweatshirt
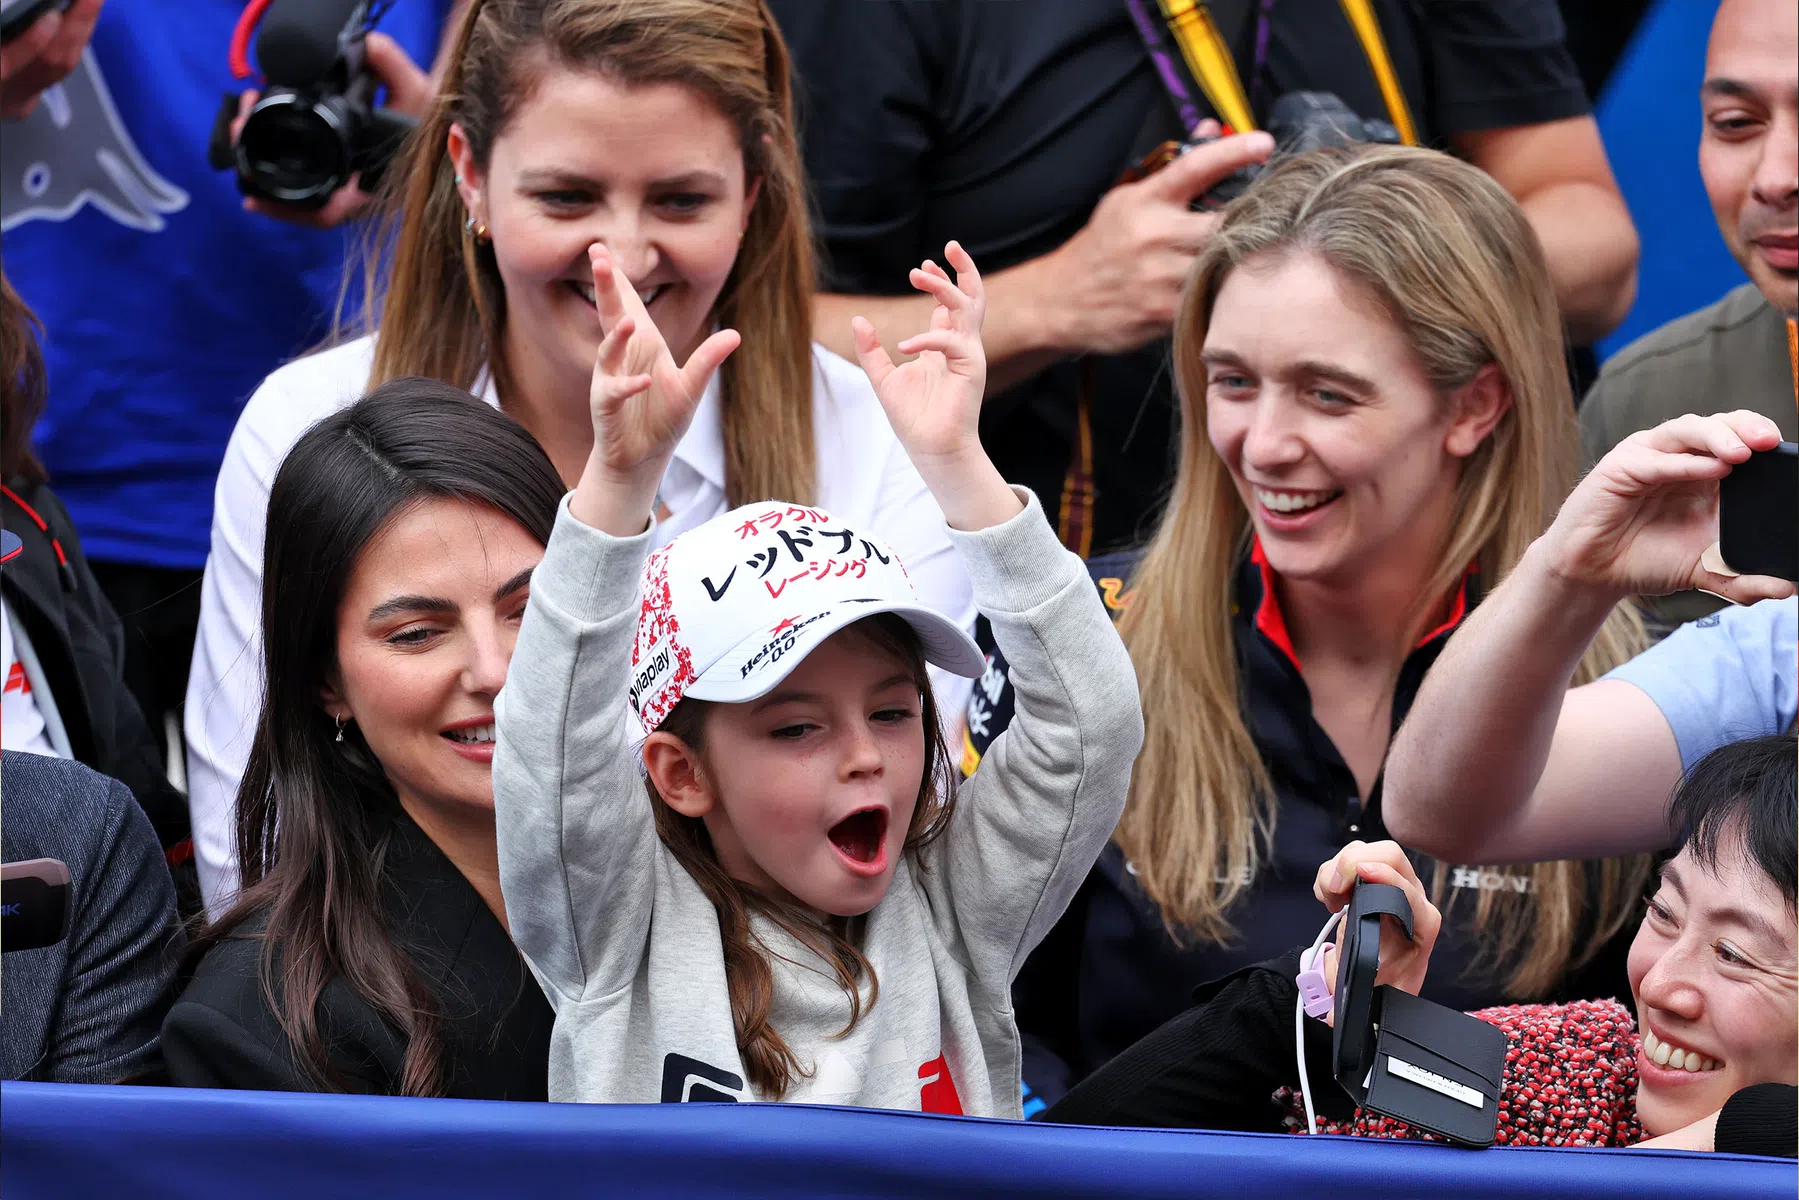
{"type": "Point", "coordinates": [626, 945]}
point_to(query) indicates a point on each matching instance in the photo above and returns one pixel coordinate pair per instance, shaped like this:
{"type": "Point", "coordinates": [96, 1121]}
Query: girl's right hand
{"type": "Point", "coordinates": [641, 403]}
{"type": "Point", "coordinates": [1403, 961]}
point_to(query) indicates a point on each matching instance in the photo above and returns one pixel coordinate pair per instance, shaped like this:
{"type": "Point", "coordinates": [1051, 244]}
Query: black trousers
{"type": "Point", "coordinates": [160, 609]}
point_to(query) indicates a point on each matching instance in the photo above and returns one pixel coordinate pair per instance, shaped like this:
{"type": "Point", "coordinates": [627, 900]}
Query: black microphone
{"type": "Point", "coordinates": [34, 904]}
{"type": "Point", "coordinates": [298, 41]}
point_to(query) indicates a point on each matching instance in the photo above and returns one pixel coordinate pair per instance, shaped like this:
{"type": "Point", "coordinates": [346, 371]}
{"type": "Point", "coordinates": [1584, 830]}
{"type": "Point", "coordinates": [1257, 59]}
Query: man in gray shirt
{"type": "Point", "coordinates": [1731, 354]}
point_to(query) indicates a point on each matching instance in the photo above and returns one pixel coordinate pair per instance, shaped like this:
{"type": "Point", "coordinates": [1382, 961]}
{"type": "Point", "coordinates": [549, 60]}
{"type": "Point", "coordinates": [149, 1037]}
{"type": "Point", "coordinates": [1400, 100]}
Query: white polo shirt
{"type": "Point", "coordinates": [864, 477]}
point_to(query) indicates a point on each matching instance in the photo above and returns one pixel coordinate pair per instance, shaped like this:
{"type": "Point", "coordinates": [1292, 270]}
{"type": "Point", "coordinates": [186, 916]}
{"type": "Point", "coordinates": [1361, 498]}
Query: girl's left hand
{"type": "Point", "coordinates": [934, 401]}
{"type": "Point", "coordinates": [1403, 961]}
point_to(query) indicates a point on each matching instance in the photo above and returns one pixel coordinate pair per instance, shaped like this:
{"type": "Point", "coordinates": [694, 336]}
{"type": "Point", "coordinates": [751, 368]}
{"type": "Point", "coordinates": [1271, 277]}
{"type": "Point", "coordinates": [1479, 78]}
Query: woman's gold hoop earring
{"type": "Point", "coordinates": [475, 229]}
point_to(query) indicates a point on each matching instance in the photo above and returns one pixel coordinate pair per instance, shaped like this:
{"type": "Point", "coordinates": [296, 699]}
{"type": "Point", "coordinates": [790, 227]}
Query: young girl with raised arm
{"type": "Point", "coordinates": [802, 907]}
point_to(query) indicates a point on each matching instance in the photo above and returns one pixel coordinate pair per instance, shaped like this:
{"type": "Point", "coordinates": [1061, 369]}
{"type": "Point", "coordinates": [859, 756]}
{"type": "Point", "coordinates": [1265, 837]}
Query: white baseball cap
{"type": "Point", "coordinates": [730, 608]}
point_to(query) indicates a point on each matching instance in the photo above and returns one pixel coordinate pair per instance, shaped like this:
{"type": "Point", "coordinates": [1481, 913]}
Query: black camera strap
{"type": "Point", "coordinates": [1202, 61]}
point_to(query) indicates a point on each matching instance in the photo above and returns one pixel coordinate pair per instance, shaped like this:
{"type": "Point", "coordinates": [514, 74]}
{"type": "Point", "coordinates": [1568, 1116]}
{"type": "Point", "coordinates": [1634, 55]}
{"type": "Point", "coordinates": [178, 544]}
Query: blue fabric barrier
{"type": "Point", "coordinates": [78, 1141]}
{"type": "Point", "coordinates": [1649, 118]}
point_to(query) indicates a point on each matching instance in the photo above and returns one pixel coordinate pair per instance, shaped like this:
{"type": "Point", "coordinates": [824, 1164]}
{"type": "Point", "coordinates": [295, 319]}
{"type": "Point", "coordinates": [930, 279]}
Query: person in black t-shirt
{"type": "Point", "coordinates": [1006, 125]}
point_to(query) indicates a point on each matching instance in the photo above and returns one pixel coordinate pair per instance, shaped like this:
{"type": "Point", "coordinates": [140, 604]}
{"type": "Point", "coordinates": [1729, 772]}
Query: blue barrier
{"type": "Point", "coordinates": [1649, 118]}
{"type": "Point", "coordinates": [91, 1142]}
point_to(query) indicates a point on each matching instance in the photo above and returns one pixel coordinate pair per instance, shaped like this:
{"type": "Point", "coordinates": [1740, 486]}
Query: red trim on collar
{"type": "Point", "coordinates": [1273, 626]}
{"type": "Point", "coordinates": [1269, 621]}
{"type": "Point", "coordinates": [1457, 611]}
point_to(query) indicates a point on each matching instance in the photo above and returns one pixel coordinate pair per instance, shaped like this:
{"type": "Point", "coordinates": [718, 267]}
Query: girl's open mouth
{"type": "Point", "coordinates": [861, 839]}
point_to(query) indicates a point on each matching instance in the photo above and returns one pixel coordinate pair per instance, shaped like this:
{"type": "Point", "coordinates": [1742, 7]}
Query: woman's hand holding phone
{"type": "Point", "coordinates": [934, 401]}
{"type": "Point", "coordinates": [1403, 961]}
{"type": "Point", "coordinates": [641, 401]}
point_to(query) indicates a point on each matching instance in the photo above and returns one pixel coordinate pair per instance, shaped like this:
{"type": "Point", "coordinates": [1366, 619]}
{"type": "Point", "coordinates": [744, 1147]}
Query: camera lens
{"type": "Point", "coordinates": [293, 150]}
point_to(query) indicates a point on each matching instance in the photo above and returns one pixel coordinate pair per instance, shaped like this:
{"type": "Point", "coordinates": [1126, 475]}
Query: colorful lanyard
{"type": "Point", "coordinates": [1211, 67]}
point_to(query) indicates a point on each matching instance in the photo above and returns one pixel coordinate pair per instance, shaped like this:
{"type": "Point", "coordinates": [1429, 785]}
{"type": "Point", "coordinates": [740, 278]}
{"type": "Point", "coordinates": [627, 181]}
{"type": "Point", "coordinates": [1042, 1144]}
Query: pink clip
{"type": "Point", "coordinates": [1314, 990]}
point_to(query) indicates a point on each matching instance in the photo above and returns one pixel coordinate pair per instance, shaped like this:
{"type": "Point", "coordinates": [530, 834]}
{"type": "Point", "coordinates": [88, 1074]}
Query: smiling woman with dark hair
{"type": "Point", "coordinates": [368, 949]}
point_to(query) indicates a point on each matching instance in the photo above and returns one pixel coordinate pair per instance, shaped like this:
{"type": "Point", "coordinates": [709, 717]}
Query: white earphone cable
{"type": "Point", "coordinates": [1299, 1021]}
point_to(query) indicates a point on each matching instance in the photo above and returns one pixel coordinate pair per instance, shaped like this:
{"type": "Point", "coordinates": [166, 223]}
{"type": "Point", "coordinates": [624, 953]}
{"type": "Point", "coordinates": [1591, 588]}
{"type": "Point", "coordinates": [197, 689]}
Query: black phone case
{"type": "Point", "coordinates": [1437, 1069]}
{"type": "Point", "coordinates": [1758, 514]}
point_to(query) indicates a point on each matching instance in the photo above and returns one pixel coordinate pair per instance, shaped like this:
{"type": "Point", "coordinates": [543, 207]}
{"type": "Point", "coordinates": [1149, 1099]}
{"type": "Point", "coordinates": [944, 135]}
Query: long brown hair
{"type": "Point", "coordinates": [1454, 262]}
{"type": "Point", "coordinates": [23, 386]}
{"type": "Point", "coordinates": [438, 299]}
{"type": "Point", "coordinates": [767, 1058]}
{"type": "Point", "coordinates": [316, 816]}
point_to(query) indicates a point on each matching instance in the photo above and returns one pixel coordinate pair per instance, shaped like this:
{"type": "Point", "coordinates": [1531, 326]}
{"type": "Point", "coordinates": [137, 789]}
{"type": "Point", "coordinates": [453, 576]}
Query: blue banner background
{"type": "Point", "coordinates": [64, 1140]}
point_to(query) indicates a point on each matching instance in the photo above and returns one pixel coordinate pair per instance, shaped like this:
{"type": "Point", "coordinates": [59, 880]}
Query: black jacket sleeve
{"type": "Point", "coordinates": [81, 643]}
{"type": "Point", "coordinates": [223, 1033]}
{"type": "Point", "coordinates": [125, 746]}
{"type": "Point", "coordinates": [1762, 1119]}
{"type": "Point", "coordinates": [1217, 1065]}
{"type": "Point", "coordinates": [203, 1047]}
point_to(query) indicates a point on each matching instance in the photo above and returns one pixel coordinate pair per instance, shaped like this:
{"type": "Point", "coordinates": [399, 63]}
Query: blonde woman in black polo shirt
{"type": "Point", "coordinates": [1376, 423]}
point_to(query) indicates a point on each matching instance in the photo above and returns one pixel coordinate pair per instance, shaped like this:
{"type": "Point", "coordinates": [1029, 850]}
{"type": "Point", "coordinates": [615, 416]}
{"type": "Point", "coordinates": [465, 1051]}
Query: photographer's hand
{"type": "Point", "coordinates": [1403, 961]}
{"type": "Point", "coordinates": [641, 403]}
{"type": "Point", "coordinates": [43, 56]}
{"type": "Point", "coordinates": [1113, 286]}
{"type": "Point", "coordinates": [409, 91]}
{"type": "Point", "coordinates": [1117, 283]}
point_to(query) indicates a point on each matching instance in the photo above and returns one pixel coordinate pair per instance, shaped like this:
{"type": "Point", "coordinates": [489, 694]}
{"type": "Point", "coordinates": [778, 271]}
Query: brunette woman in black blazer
{"type": "Point", "coordinates": [368, 951]}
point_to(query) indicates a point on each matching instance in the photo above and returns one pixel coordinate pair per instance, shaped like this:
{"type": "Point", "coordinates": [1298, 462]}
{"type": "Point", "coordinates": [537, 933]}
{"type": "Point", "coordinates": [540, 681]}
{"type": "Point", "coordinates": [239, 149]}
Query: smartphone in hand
{"type": "Point", "coordinates": [1758, 514]}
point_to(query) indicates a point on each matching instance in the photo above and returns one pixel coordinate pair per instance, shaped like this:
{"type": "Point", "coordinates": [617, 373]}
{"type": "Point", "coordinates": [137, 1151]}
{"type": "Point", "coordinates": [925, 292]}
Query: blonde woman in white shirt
{"type": "Point", "coordinates": [662, 129]}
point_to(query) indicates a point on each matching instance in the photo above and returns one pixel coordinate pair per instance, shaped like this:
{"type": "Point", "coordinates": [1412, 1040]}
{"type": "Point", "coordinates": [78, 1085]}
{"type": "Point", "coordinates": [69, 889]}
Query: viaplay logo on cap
{"type": "Point", "coordinates": [731, 607]}
{"type": "Point", "coordinates": [661, 666]}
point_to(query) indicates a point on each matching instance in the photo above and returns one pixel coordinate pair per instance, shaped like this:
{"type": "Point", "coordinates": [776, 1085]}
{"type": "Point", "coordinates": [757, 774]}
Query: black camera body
{"type": "Point", "coordinates": [1299, 122]}
{"type": "Point", "coordinates": [316, 125]}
